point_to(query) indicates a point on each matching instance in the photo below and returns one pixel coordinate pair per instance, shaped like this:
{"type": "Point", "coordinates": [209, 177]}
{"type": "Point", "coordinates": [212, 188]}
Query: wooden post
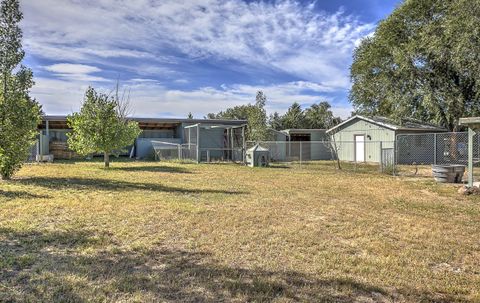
{"type": "Point", "coordinates": [471, 134]}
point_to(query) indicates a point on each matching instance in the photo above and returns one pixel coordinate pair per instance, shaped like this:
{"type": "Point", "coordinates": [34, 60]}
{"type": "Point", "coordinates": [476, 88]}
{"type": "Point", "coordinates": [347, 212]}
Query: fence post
{"type": "Point", "coordinates": [395, 155]}
{"type": "Point", "coordinates": [208, 156]}
{"type": "Point", "coordinates": [435, 149]}
{"type": "Point", "coordinates": [381, 157]}
{"type": "Point", "coordinates": [198, 143]}
{"type": "Point", "coordinates": [471, 135]}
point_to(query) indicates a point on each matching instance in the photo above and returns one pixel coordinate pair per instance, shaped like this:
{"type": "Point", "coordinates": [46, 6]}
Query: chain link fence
{"type": "Point", "coordinates": [415, 153]}
{"type": "Point", "coordinates": [410, 154]}
{"type": "Point", "coordinates": [365, 156]}
{"type": "Point", "coordinates": [435, 148]}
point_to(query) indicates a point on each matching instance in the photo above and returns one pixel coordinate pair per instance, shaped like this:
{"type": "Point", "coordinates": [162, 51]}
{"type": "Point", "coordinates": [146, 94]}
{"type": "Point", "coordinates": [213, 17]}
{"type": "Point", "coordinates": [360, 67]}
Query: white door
{"type": "Point", "coordinates": [360, 148]}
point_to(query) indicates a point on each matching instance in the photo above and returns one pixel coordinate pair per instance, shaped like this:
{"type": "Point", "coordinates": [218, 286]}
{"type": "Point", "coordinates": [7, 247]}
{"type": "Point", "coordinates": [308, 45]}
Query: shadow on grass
{"type": "Point", "coordinates": [155, 169]}
{"type": "Point", "coordinates": [20, 195]}
{"type": "Point", "coordinates": [90, 184]}
{"type": "Point", "coordinates": [280, 166]}
{"type": "Point", "coordinates": [46, 266]}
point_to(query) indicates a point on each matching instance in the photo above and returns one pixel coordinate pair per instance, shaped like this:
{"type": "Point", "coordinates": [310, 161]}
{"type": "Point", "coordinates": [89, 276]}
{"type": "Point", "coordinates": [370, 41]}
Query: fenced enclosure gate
{"type": "Point", "coordinates": [206, 143]}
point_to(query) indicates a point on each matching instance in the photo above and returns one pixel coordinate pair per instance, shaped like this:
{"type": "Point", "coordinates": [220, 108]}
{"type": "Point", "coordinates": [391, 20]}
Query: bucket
{"type": "Point", "coordinates": [448, 173]}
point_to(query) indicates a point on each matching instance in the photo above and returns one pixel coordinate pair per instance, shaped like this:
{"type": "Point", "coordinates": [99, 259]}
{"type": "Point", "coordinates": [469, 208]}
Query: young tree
{"type": "Point", "coordinates": [19, 113]}
{"type": "Point", "coordinates": [190, 116]}
{"type": "Point", "coordinates": [422, 62]}
{"type": "Point", "coordinates": [258, 118]}
{"type": "Point", "coordinates": [101, 126]}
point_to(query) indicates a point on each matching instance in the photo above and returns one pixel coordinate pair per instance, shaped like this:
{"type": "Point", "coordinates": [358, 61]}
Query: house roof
{"type": "Point", "coordinates": [406, 125]}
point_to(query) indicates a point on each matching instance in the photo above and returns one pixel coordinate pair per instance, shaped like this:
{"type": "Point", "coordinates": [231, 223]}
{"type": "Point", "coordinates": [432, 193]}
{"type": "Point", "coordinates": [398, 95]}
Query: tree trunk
{"type": "Point", "coordinates": [335, 151]}
{"type": "Point", "coordinates": [106, 159]}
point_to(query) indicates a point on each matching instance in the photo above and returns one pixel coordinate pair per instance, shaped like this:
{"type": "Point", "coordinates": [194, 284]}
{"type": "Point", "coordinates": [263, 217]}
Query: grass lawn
{"type": "Point", "coordinates": [155, 232]}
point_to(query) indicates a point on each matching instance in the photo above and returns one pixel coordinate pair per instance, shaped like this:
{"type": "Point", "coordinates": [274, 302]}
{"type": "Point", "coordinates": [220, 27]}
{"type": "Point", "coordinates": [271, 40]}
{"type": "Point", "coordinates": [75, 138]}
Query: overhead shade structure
{"type": "Point", "coordinates": [473, 124]}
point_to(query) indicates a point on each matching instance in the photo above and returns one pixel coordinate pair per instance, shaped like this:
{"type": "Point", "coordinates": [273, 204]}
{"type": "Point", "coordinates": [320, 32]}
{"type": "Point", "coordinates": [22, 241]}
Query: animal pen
{"type": "Point", "coordinates": [407, 150]}
{"type": "Point", "coordinates": [206, 143]}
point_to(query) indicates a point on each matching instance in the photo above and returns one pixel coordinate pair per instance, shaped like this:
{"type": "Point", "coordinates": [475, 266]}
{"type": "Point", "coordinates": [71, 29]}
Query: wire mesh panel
{"type": "Point", "coordinates": [189, 151]}
{"type": "Point", "coordinates": [213, 143]}
{"type": "Point", "coordinates": [166, 150]}
{"type": "Point", "coordinates": [437, 148]}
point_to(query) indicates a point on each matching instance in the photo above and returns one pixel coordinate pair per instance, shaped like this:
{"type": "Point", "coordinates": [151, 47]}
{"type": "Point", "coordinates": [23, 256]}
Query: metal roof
{"type": "Point", "coordinates": [161, 120]}
{"type": "Point", "coordinates": [407, 125]}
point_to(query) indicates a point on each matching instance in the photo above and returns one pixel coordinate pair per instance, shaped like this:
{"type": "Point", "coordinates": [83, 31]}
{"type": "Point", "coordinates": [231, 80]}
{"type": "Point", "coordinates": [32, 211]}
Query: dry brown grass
{"type": "Point", "coordinates": [145, 232]}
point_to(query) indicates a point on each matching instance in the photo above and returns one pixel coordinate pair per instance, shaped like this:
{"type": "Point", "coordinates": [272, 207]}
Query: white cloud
{"type": "Point", "coordinates": [75, 72]}
{"type": "Point", "coordinates": [152, 99]}
{"type": "Point", "coordinates": [67, 68]}
{"type": "Point", "coordinates": [286, 36]}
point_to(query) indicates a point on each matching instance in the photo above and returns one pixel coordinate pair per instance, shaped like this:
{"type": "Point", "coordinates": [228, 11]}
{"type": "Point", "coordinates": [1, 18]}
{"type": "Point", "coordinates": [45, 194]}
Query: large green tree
{"type": "Point", "coordinates": [275, 121]}
{"type": "Point", "coordinates": [255, 114]}
{"type": "Point", "coordinates": [101, 126]}
{"type": "Point", "coordinates": [423, 62]}
{"type": "Point", "coordinates": [19, 113]}
{"type": "Point", "coordinates": [320, 116]}
{"type": "Point", "coordinates": [294, 117]}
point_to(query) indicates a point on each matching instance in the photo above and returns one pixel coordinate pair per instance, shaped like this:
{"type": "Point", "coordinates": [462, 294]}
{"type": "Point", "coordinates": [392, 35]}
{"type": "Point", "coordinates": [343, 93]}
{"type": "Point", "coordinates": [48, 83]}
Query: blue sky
{"type": "Point", "coordinates": [175, 57]}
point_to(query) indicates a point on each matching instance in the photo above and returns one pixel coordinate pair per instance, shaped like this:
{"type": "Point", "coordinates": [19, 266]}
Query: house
{"type": "Point", "coordinates": [198, 139]}
{"type": "Point", "coordinates": [361, 139]}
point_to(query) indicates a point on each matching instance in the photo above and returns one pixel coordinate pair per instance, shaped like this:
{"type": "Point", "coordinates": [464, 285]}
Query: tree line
{"type": "Point", "coordinates": [260, 125]}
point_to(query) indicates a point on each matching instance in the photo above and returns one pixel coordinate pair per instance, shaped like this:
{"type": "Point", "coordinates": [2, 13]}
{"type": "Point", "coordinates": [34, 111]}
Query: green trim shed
{"type": "Point", "coordinates": [361, 139]}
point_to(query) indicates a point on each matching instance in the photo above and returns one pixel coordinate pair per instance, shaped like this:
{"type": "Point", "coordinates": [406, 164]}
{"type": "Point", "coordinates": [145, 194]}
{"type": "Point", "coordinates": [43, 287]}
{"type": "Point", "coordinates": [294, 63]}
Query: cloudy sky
{"type": "Point", "coordinates": [200, 56]}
